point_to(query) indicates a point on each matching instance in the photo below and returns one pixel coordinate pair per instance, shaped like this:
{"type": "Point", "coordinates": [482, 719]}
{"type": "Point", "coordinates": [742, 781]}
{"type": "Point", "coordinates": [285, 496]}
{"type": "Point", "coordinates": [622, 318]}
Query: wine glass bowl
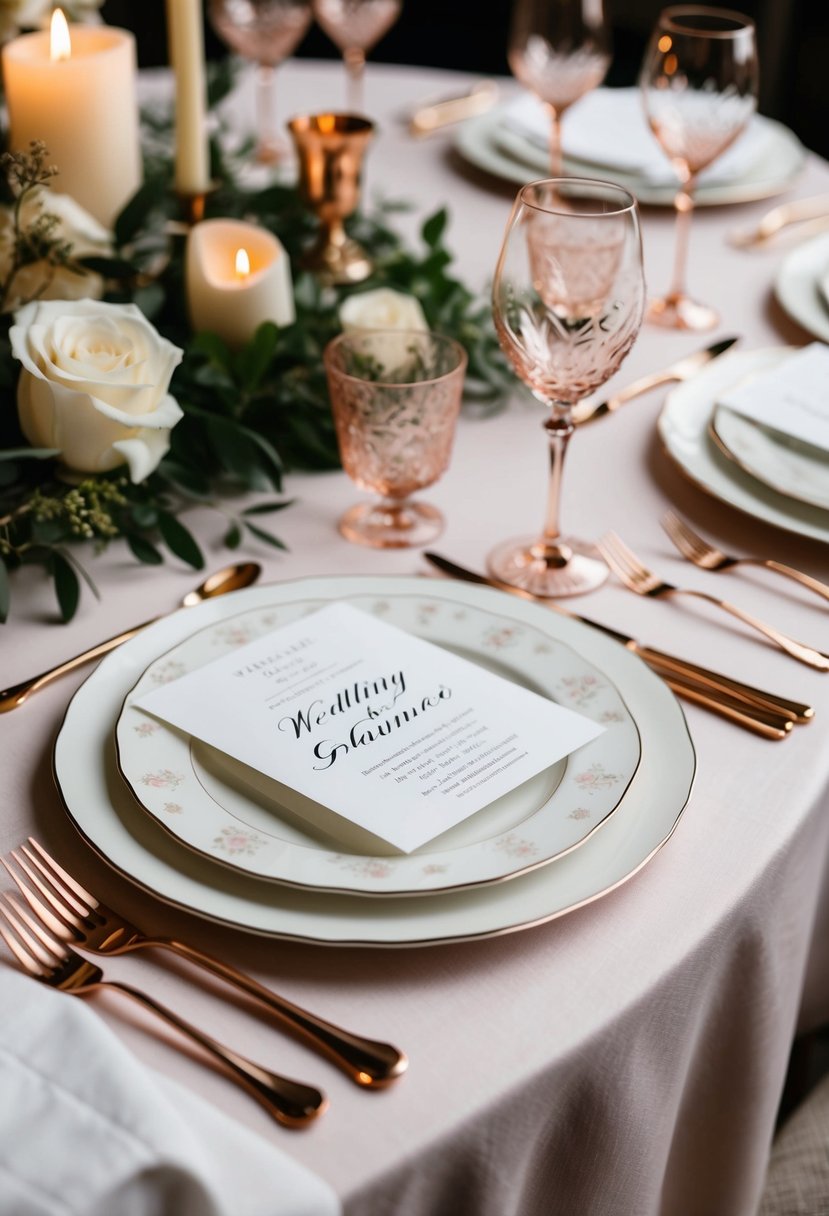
{"type": "Point", "coordinates": [568, 299]}
{"type": "Point", "coordinates": [266, 32]}
{"type": "Point", "coordinates": [699, 90]}
{"type": "Point", "coordinates": [355, 26]}
{"type": "Point", "coordinates": [559, 50]}
{"type": "Point", "coordinates": [395, 395]}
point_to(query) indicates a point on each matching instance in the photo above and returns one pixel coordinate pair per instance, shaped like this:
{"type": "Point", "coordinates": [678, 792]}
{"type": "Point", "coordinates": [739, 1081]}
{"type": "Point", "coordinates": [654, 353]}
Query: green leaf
{"type": "Point", "coordinates": [434, 227]}
{"type": "Point", "coordinates": [267, 508]}
{"type": "Point", "coordinates": [67, 585]}
{"type": "Point", "coordinates": [145, 515]}
{"type": "Point", "coordinates": [233, 536]}
{"type": "Point", "coordinates": [253, 360]}
{"type": "Point", "coordinates": [29, 453]}
{"type": "Point", "coordinates": [215, 348]}
{"type": "Point", "coordinates": [5, 592]}
{"type": "Point", "coordinates": [179, 540]}
{"type": "Point", "coordinates": [262, 535]}
{"type": "Point", "coordinates": [141, 548]}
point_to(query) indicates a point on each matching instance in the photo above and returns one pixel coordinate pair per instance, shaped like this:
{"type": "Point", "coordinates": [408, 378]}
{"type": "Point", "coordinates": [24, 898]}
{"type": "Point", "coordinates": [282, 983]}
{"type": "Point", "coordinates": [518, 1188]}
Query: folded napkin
{"type": "Point", "coordinates": [85, 1129]}
{"type": "Point", "coordinates": [608, 127]}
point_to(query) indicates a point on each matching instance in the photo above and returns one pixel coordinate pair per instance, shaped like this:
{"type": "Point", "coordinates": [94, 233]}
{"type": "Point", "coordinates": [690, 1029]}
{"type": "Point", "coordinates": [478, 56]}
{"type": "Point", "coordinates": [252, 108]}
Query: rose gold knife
{"type": "Point", "coordinates": [683, 369]}
{"type": "Point", "coordinates": [764, 712]}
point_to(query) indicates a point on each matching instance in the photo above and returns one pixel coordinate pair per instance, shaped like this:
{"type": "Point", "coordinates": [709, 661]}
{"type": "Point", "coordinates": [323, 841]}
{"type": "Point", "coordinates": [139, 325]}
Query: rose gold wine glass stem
{"type": "Point", "coordinates": [559, 427]}
{"type": "Point", "coordinates": [268, 140]}
{"type": "Point", "coordinates": [355, 66]}
{"type": "Point", "coordinates": [555, 141]}
{"type": "Point", "coordinates": [684, 205]}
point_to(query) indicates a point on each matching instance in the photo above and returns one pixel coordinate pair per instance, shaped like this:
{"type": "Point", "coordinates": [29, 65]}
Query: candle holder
{"type": "Point", "coordinates": [330, 148]}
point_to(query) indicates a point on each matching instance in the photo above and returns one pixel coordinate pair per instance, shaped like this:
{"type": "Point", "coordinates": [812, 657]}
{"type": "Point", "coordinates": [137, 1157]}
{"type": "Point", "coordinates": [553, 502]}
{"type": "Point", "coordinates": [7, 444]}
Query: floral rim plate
{"type": "Point", "coordinates": [104, 812]}
{"type": "Point", "coordinates": [489, 144]}
{"type": "Point", "coordinates": [795, 469]}
{"type": "Point", "coordinates": [684, 428]}
{"type": "Point", "coordinates": [231, 814]}
{"type": "Point", "coordinates": [798, 286]}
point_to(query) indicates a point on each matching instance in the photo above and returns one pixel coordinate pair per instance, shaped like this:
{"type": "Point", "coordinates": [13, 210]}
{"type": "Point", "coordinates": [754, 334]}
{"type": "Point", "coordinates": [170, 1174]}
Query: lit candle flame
{"type": "Point", "coordinates": [242, 264]}
{"type": "Point", "coordinates": [60, 44]}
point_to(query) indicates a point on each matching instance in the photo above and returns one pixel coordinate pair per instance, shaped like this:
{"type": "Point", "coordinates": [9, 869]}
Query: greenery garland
{"type": "Point", "coordinates": [248, 415]}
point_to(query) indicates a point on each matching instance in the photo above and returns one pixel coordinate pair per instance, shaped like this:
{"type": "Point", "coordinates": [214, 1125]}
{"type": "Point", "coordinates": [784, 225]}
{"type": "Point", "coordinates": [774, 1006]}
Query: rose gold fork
{"type": "Point", "coordinates": [708, 557]}
{"type": "Point", "coordinates": [628, 568]}
{"type": "Point", "coordinates": [73, 915]}
{"type": "Point", "coordinates": [51, 961]}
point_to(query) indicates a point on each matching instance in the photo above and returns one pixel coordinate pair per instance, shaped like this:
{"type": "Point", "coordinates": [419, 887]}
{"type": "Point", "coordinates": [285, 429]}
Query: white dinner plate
{"type": "Point", "coordinates": [685, 430]}
{"type": "Point", "coordinates": [798, 286]}
{"type": "Point", "coordinates": [488, 143]}
{"type": "Point", "coordinates": [789, 466]}
{"type": "Point", "coordinates": [227, 811]}
{"type": "Point", "coordinates": [105, 813]}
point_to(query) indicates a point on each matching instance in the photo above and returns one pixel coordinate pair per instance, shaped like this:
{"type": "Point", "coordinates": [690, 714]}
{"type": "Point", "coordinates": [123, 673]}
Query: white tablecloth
{"type": "Point", "coordinates": [629, 1057]}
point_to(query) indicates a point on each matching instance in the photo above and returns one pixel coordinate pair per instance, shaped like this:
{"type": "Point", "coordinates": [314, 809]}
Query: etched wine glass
{"type": "Point", "coordinates": [559, 50]}
{"type": "Point", "coordinates": [568, 299]}
{"type": "Point", "coordinates": [395, 395]}
{"type": "Point", "coordinates": [267, 32]}
{"type": "Point", "coordinates": [699, 88]}
{"type": "Point", "coordinates": [355, 26]}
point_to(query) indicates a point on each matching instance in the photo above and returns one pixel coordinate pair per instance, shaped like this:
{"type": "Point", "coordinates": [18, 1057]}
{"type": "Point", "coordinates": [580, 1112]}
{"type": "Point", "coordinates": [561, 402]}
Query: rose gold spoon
{"type": "Point", "coordinates": [231, 578]}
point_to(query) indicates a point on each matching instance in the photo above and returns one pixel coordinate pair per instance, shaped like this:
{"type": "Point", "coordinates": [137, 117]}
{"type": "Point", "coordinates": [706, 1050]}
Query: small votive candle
{"type": "Point", "coordinates": [237, 276]}
{"type": "Point", "coordinates": [75, 91]}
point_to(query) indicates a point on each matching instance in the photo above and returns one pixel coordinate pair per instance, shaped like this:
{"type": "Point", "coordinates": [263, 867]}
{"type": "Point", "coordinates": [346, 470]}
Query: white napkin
{"type": "Point", "coordinates": [608, 127]}
{"type": "Point", "coordinates": [86, 1130]}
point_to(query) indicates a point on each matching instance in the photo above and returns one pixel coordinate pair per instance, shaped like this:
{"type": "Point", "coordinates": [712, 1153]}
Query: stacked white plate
{"type": "Point", "coordinates": [802, 286]}
{"type": "Point", "coordinates": [202, 832]}
{"type": "Point", "coordinates": [605, 135]}
{"type": "Point", "coordinates": [749, 466]}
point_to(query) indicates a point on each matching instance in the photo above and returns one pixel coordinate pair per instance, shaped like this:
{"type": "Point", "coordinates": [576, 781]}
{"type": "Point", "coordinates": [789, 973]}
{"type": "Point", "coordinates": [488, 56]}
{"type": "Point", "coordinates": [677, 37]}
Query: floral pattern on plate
{"type": "Point", "coordinates": [256, 829]}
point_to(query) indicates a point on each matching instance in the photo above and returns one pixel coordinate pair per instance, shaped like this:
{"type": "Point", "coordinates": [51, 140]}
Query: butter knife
{"type": "Point", "coordinates": [685, 677]}
{"type": "Point", "coordinates": [683, 369]}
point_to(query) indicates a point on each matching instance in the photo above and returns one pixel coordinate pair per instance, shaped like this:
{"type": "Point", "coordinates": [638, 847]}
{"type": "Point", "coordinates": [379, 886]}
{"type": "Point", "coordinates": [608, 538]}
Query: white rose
{"type": "Point", "coordinates": [77, 228]}
{"type": "Point", "coordinates": [384, 308]}
{"type": "Point", "coordinates": [94, 384]}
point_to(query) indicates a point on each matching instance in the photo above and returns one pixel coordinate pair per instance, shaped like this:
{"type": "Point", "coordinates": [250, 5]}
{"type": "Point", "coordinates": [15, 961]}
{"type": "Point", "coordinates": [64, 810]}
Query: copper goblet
{"type": "Point", "coordinates": [396, 395]}
{"type": "Point", "coordinates": [331, 148]}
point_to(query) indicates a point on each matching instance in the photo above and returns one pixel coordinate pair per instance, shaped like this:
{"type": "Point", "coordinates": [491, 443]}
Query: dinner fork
{"type": "Point", "coordinates": [51, 961]}
{"type": "Point", "coordinates": [800, 210]}
{"type": "Point", "coordinates": [74, 915]}
{"type": "Point", "coordinates": [628, 568]}
{"type": "Point", "coordinates": [708, 557]}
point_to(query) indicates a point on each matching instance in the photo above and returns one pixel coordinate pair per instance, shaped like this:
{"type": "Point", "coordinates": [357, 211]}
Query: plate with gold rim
{"type": "Point", "coordinates": [104, 811]}
{"type": "Point", "coordinates": [232, 814]}
{"type": "Point", "coordinates": [789, 466]}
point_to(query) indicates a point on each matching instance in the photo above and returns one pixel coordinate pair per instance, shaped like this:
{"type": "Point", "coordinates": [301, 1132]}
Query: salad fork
{"type": "Point", "coordinates": [45, 958]}
{"type": "Point", "coordinates": [74, 915]}
{"type": "Point", "coordinates": [637, 577]}
{"type": "Point", "coordinates": [708, 557]}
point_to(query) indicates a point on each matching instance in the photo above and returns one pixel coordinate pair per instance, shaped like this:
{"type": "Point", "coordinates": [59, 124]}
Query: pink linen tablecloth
{"type": "Point", "coordinates": [627, 1059]}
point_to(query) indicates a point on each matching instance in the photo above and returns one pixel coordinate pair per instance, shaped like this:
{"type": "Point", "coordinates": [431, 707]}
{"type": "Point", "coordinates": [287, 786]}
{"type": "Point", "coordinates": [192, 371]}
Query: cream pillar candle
{"type": "Point", "coordinates": [231, 295]}
{"type": "Point", "coordinates": [185, 35]}
{"type": "Point", "coordinates": [84, 108]}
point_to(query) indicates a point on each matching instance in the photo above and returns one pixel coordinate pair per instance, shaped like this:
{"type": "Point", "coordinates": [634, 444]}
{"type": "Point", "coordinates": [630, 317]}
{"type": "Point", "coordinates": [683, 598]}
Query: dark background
{"type": "Point", "coordinates": [793, 39]}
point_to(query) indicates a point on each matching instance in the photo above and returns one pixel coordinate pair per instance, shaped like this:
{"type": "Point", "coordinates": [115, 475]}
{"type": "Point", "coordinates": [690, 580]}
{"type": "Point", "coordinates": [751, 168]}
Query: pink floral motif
{"type": "Point", "coordinates": [269, 619]}
{"type": "Point", "coordinates": [167, 672]}
{"type": "Point", "coordinates": [379, 607]}
{"type": "Point", "coordinates": [581, 689]}
{"type": "Point", "coordinates": [581, 812]}
{"type": "Point", "coordinates": [145, 729]}
{"type": "Point", "coordinates": [365, 867]}
{"type": "Point", "coordinates": [542, 648]}
{"type": "Point", "coordinates": [515, 846]}
{"type": "Point", "coordinates": [165, 779]}
{"type": "Point", "coordinates": [595, 778]}
{"type": "Point", "coordinates": [426, 613]}
{"type": "Point", "coordinates": [499, 637]}
{"type": "Point", "coordinates": [173, 808]}
{"type": "Point", "coordinates": [234, 841]}
{"type": "Point", "coordinates": [434, 868]}
{"type": "Point", "coordinates": [611, 715]}
{"type": "Point", "coordinates": [460, 615]}
{"type": "Point", "coordinates": [232, 634]}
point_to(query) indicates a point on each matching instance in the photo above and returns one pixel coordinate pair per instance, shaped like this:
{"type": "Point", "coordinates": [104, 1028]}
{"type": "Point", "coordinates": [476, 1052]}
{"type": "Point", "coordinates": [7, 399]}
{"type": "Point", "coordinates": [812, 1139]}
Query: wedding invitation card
{"type": "Point", "coordinates": [792, 397]}
{"type": "Point", "coordinates": [391, 732]}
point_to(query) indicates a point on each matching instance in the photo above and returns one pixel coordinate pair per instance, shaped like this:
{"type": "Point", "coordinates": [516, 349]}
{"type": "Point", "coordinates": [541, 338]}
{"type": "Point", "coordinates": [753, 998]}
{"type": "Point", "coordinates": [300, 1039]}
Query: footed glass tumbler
{"type": "Point", "coordinates": [396, 395]}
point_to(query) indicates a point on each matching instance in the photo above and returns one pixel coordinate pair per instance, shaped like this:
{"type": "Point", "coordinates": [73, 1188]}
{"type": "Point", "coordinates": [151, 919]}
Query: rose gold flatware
{"type": "Point", "coordinates": [638, 578]}
{"type": "Point", "coordinates": [780, 217]}
{"type": "Point", "coordinates": [762, 712]}
{"type": "Point", "coordinates": [708, 557]}
{"type": "Point", "coordinates": [73, 914]}
{"type": "Point", "coordinates": [683, 369]}
{"type": "Point", "coordinates": [434, 116]}
{"type": "Point", "coordinates": [49, 960]}
{"type": "Point", "coordinates": [230, 578]}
